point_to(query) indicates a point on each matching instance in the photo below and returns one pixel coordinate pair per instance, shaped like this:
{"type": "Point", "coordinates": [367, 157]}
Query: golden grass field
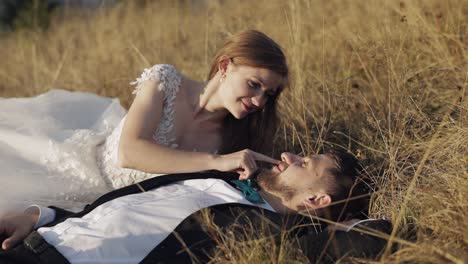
{"type": "Point", "coordinates": [385, 79]}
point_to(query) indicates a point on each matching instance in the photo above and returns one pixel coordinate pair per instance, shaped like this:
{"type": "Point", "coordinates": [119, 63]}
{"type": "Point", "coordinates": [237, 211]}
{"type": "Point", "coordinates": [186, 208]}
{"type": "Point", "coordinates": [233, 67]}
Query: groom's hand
{"type": "Point", "coordinates": [17, 227]}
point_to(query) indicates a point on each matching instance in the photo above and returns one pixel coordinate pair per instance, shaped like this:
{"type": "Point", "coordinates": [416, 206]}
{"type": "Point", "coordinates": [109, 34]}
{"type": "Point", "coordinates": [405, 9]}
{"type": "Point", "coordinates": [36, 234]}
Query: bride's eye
{"type": "Point", "coordinates": [253, 85]}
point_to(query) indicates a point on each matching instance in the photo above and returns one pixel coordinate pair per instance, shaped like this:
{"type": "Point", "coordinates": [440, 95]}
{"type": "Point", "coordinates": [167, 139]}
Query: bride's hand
{"type": "Point", "coordinates": [17, 227]}
{"type": "Point", "coordinates": [242, 162]}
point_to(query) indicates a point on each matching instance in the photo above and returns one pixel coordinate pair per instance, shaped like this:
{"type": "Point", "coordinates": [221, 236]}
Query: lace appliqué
{"type": "Point", "coordinates": [73, 161]}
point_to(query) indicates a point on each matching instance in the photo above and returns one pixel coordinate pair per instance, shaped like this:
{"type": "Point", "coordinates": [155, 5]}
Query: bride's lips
{"type": "Point", "coordinates": [247, 107]}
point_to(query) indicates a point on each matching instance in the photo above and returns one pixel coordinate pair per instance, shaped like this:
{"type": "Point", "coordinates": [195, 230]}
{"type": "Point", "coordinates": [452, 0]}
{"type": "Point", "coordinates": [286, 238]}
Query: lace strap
{"type": "Point", "coordinates": [169, 82]}
{"type": "Point", "coordinates": [168, 77]}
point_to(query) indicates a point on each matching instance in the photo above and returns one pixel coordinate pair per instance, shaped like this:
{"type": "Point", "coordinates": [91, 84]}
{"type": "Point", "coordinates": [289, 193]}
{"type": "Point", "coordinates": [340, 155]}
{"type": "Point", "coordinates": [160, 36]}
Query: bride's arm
{"type": "Point", "coordinates": [138, 151]}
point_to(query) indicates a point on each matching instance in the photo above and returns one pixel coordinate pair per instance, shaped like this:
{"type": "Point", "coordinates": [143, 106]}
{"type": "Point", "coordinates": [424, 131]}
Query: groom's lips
{"type": "Point", "coordinates": [282, 166]}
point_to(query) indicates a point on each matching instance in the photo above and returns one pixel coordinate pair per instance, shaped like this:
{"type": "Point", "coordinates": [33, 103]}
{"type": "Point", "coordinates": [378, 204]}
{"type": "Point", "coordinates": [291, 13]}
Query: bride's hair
{"type": "Point", "coordinates": [256, 130]}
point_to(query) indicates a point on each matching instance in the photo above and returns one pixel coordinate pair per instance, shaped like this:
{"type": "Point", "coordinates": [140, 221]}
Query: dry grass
{"type": "Point", "coordinates": [386, 77]}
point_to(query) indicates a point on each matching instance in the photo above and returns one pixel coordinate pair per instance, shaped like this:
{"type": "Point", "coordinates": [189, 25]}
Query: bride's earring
{"type": "Point", "coordinates": [222, 78]}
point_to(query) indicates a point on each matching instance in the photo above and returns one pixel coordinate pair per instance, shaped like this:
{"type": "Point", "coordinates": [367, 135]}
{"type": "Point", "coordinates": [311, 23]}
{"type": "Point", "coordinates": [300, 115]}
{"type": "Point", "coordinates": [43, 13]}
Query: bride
{"type": "Point", "coordinates": [66, 148]}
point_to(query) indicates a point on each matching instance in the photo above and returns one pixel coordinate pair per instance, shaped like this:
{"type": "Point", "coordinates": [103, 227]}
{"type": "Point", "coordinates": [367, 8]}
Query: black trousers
{"type": "Point", "coordinates": [33, 250]}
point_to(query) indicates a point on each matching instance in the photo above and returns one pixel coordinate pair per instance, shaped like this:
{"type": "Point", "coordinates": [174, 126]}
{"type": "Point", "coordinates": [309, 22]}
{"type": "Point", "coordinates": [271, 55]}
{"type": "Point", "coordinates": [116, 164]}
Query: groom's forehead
{"type": "Point", "coordinates": [314, 157]}
{"type": "Point", "coordinates": [320, 163]}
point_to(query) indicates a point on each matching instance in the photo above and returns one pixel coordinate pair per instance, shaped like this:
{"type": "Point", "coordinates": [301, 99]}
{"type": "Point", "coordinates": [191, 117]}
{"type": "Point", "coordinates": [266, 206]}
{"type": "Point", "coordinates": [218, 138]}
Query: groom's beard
{"type": "Point", "coordinates": [269, 181]}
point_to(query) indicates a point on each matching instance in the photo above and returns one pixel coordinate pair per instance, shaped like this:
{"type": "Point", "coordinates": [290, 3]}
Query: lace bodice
{"type": "Point", "coordinates": [169, 83]}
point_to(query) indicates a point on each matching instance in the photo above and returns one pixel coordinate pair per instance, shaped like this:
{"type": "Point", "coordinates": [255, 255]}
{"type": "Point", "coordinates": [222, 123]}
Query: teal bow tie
{"type": "Point", "coordinates": [249, 193]}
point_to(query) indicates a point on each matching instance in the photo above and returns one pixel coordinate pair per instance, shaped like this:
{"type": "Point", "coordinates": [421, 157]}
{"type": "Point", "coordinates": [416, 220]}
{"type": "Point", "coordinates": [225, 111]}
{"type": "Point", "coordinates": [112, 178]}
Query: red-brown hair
{"type": "Point", "coordinates": [256, 130]}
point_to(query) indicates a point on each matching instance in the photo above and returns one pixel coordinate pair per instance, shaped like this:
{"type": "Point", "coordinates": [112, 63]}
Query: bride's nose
{"type": "Point", "coordinates": [259, 100]}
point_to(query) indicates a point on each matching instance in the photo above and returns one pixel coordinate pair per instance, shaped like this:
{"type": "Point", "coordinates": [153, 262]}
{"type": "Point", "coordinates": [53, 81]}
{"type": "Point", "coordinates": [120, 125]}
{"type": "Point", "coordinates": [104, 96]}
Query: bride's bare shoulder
{"type": "Point", "coordinates": [190, 86]}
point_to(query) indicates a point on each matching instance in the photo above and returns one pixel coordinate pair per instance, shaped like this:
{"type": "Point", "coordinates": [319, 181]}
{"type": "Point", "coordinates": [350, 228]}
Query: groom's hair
{"type": "Point", "coordinates": [346, 188]}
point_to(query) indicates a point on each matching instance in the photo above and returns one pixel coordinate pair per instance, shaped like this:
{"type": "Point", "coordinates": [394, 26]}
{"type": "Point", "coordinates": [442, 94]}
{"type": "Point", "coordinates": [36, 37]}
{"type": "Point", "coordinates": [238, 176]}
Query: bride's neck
{"type": "Point", "coordinates": [207, 104]}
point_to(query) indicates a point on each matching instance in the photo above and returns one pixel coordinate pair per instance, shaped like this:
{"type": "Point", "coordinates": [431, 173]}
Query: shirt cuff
{"type": "Point", "coordinates": [46, 215]}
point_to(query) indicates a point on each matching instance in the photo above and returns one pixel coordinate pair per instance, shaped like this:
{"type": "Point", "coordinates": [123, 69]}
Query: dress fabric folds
{"type": "Point", "coordinates": [47, 148]}
{"type": "Point", "coordinates": [60, 148]}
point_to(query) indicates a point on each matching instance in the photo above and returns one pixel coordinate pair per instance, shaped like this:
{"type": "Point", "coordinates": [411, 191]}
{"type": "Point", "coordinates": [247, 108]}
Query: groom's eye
{"type": "Point", "coordinates": [305, 162]}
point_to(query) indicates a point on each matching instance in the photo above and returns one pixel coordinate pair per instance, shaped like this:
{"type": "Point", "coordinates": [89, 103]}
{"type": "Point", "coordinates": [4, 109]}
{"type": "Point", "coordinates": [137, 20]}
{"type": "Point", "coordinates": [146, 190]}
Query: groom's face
{"type": "Point", "coordinates": [296, 174]}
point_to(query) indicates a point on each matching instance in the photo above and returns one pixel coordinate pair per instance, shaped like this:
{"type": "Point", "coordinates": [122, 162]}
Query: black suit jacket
{"type": "Point", "coordinates": [196, 240]}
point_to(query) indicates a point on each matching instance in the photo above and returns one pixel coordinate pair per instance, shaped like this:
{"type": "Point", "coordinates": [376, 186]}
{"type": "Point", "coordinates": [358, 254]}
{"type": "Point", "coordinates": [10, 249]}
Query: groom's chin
{"type": "Point", "coordinates": [266, 178]}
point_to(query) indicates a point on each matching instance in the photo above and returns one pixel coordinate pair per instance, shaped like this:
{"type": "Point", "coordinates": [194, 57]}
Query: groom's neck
{"type": "Point", "coordinates": [275, 201]}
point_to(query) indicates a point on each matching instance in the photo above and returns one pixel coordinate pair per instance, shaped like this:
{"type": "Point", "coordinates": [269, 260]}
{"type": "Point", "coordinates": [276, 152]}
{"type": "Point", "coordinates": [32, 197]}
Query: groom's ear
{"type": "Point", "coordinates": [317, 201]}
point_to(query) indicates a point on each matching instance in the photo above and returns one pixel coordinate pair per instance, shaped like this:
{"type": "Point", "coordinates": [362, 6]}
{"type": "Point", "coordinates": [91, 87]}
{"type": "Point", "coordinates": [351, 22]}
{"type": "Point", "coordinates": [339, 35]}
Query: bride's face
{"type": "Point", "coordinates": [246, 89]}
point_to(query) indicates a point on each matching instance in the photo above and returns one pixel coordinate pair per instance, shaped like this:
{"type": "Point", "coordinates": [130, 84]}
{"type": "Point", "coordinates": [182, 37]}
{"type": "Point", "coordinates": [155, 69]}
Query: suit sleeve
{"type": "Point", "coordinates": [330, 247]}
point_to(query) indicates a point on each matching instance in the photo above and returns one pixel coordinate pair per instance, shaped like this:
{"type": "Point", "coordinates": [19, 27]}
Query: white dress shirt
{"type": "Point", "coordinates": [126, 229]}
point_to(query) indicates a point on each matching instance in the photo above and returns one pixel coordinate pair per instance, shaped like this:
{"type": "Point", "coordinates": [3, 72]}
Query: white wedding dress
{"type": "Point", "coordinates": [60, 148]}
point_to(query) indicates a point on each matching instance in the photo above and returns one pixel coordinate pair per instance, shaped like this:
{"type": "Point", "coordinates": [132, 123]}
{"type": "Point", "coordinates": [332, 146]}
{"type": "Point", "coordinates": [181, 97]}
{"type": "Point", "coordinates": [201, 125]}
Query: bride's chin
{"type": "Point", "coordinates": [238, 115]}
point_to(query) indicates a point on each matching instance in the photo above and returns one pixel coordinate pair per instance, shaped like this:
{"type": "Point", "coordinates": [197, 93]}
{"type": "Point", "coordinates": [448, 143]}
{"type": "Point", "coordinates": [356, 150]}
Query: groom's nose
{"type": "Point", "coordinates": [290, 158]}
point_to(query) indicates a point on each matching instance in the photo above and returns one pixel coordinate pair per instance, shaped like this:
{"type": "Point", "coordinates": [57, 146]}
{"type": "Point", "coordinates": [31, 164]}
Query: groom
{"type": "Point", "coordinates": [165, 219]}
